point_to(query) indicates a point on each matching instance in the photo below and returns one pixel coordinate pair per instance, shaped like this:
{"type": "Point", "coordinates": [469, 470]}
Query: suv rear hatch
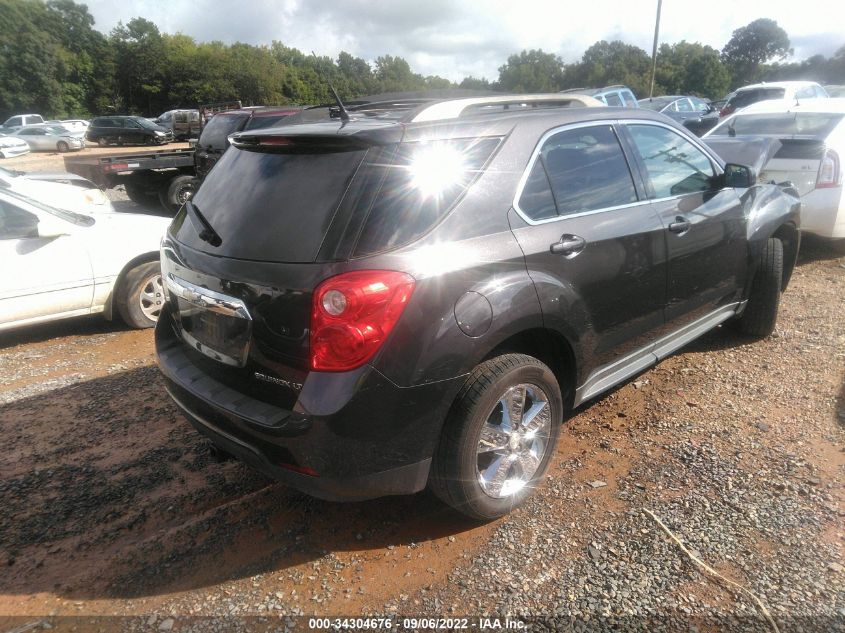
{"type": "Point", "coordinates": [285, 210]}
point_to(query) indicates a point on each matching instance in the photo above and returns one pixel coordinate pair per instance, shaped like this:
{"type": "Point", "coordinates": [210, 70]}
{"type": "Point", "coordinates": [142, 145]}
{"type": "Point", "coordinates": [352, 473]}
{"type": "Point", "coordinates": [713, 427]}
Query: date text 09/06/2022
{"type": "Point", "coordinates": [416, 624]}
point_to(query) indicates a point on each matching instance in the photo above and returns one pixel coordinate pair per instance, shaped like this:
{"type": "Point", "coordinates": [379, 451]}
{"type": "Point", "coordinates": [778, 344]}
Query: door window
{"type": "Point", "coordinates": [578, 170]}
{"type": "Point", "coordinates": [16, 223]}
{"type": "Point", "coordinates": [684, 105]}
{"type": "Point", "coordinates": [613, 99]}
{"type": "Point", "coordinates": [674, 165]}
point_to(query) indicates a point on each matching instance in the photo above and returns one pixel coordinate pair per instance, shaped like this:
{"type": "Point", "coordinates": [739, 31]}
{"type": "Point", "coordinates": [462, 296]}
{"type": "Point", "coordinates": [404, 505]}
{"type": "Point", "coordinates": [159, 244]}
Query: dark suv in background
{"type": "Point", "coordinates": [120, 130]}
{"type": "Point", "coordinates": [213, 140]}
{"type": "Point", "coordinates": [398, 298]}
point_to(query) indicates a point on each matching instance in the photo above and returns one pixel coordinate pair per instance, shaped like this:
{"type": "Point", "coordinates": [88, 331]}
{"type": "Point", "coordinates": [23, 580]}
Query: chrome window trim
{"type": "Point", "coordinates": [536, 152]}
{"type": "Point", "coordinates": [719, 164]}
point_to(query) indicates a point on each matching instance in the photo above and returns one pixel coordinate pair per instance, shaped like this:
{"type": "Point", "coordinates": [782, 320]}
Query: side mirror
{"type": "Point", "coordinates": [51, 227]}
{"type": "Point", "coordinates": [739, 176]}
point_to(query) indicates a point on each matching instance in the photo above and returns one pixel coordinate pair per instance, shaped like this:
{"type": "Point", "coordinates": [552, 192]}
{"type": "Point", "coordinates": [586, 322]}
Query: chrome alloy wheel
{"type": "Point", "coordinates": [151, 297]}
{"type": "Point", "coordinates": [513, 441]}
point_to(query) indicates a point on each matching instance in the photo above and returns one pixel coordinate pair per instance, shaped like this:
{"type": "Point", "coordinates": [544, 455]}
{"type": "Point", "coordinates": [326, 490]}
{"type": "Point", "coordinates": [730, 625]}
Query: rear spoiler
{"type": "Point", "coordinates": [319, 137]}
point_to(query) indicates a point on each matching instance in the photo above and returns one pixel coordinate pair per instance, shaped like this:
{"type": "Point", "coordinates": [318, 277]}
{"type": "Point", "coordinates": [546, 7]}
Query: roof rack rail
{"type": "Point", "coordinates": [453, 109]}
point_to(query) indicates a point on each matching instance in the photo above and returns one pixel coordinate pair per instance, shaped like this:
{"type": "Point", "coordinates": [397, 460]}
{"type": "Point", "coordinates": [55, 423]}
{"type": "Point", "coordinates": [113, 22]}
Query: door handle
{"type": "Point", "coordinates": [680, 225]}
{"type": "Point", "coordinates": [569, 245]}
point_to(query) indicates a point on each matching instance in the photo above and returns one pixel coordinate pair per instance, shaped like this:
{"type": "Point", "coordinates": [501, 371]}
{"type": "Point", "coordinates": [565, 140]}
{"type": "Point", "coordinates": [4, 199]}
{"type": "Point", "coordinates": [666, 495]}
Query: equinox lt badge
{"type": "Point", "coordinates": [295, 386]}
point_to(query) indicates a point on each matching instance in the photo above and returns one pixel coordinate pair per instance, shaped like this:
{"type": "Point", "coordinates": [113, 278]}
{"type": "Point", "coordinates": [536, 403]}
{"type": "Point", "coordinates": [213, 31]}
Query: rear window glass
{"type": "Point", "coordinates": [410, 187]}
{"type": "Point", "coordinates": [747, 97]}
{"type": "Point", "coordinates": [261, 122]}
{"type": "Point", "coordinates": [219, 127]}
{"type": "Point", "coordinates": [781, 124]}
{"type": "Point", "coordinates": [270, 206]}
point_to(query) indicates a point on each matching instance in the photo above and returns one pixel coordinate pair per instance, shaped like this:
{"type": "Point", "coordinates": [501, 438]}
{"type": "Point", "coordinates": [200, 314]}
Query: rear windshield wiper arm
{"type": "Point", "coordinates": [204, 229]}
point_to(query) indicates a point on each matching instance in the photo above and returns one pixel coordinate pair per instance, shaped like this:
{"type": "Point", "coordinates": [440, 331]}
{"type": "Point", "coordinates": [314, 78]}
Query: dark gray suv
{"type": "Point", "coordinates": [412, 297]}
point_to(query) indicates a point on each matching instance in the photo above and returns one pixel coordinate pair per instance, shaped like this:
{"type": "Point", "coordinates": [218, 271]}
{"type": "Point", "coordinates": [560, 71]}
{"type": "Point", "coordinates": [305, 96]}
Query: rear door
{"type": "Point", "coordinates": [704, 222]}
{"type": "Point", "coordinates": [35, 137]}
{"type": "Point", "coordinates": [585, 223]}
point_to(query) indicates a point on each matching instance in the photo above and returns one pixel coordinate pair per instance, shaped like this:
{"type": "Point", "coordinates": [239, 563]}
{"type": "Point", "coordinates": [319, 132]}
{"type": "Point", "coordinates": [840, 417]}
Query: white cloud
{"type": "Point", "coordinates": [455, 38]}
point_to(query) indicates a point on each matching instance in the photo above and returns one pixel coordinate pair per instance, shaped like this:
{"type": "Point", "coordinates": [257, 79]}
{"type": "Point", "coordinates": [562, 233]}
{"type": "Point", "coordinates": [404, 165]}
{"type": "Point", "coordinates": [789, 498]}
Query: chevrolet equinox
{"type": "Point", "coordinates": [416, 295]}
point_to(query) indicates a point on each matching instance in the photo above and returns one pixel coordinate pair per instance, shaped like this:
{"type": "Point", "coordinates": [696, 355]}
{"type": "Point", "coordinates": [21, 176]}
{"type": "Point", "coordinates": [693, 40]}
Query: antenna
{"type": "Point", "coordinates": [344, 115]}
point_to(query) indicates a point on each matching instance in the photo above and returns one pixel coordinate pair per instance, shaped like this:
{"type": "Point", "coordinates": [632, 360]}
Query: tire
{"type": "Point", "coordinates": [140, 296]}
{"type": "Point", "coordinates": [62, 147]}
{"type": "Point", "coordinates": [761, 312]}
{"type": "Point", "coordinates": [175, 193]}
{"type": "Point", "coordinates": [461, 471]}
{"type": "Point", "coordinates": [103, 141]}
{"type": "Point", "coordinates": [138, 194]}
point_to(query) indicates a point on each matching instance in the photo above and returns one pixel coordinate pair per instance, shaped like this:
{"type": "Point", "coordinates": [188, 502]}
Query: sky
{"type": "Point", "coordinates": [459, 38]}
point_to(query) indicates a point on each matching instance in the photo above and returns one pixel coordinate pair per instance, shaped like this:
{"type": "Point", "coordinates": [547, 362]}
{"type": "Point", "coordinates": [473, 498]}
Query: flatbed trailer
{"type": "Point", "coordinates": [167, 177]}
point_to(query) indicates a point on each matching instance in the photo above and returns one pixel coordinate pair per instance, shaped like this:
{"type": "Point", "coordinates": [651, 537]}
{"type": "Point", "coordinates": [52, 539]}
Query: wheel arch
{"type": "Point", "coordinates": [548, 346]}
{"type": "Point", "coordinates": [144, 258]}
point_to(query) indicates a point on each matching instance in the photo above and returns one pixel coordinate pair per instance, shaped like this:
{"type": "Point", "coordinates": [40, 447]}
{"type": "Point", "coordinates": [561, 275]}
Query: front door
{"type": "Point", "coordinates": [594, 247]}
{"type": "Point", "coordinates": [704, 223]}
{"type": "Point", "coordinates": [46, 276]}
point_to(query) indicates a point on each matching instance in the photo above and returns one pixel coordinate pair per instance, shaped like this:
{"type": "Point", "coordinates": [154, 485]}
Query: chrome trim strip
{"type": "Point", "coordinates": [713, 156]}
{"type": "Point", "coordinates": [668, 344]}
{"type": "Point", "coordinates": [208, 299]}
{"type": "Point", "coordinates": [606, 376]}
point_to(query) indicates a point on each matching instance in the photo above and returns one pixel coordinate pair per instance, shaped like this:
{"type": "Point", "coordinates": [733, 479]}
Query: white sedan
{"type": "Point", "coordinates": [66, 264]}
{"type": "Point", "coordinates": [11, 146]}
{"type": "Point", "coordinates": [812, 137]}
{"type": "Point", "coordinates": [65, 191]}
{"type": "Point", "coordinates": [51, 138]}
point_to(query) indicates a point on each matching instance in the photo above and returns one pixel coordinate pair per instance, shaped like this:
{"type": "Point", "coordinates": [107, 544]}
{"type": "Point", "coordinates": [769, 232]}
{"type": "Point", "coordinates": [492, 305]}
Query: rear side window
{"type": "Point", "coordinates": [674, 165]}
{"type": "Point", "coordinates": [408, 188]}
{"type": "Point", "coordinates": [15, 120]}
{"type": "Point", "coordinates": [585, 170]}
{"type": "Point", "coordinates": [629, 99]}
{"type": "Point", "coordinates": [613, 99]}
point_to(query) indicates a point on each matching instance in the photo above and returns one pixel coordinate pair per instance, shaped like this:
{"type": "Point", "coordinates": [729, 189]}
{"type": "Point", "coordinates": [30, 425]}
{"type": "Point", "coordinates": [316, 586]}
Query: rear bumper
{"type": "Point", "coordinates": [362, 438]}
{"type": "Point", "coordinates": [823, 212]}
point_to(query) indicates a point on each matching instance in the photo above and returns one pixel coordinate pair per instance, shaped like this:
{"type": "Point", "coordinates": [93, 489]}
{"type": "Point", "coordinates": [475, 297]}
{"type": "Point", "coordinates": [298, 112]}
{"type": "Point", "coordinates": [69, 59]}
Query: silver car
{"type": "Point", "coordinates": [52, 138]}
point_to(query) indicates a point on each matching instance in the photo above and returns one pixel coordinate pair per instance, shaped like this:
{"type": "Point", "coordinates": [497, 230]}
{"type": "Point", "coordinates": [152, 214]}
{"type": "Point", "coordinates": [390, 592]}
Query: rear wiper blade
{"type": "Point", "coordinates": [204, 229]}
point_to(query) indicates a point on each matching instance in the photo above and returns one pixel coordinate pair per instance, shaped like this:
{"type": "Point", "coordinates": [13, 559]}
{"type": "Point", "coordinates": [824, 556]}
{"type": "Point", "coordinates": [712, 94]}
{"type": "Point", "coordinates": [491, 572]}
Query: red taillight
{"type": "Point", "coordinates": [726, 110]}
{"type": "Point", "coordinates": [352, 315]}
{"type": "Point", "coordinates": [829, 172]}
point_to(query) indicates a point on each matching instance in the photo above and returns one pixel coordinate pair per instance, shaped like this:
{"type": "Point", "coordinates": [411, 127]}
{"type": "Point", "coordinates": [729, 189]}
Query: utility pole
{"type": "Point", "coordinates": [654, 49]}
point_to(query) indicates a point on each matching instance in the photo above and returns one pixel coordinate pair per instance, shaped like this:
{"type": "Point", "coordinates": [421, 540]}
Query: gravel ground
{"type": "Point", "coordinates": [113, 505]}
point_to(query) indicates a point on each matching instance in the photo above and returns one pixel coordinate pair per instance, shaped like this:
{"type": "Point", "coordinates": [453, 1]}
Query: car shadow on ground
{"type": "Point", "coordinates": [153, 208]}
{"type": "Point", "coordinates": [815, 249]}
{"type": "Point", "coordinates": [77, 326]}
{"type": "Point", "coordinates": [107, 492]}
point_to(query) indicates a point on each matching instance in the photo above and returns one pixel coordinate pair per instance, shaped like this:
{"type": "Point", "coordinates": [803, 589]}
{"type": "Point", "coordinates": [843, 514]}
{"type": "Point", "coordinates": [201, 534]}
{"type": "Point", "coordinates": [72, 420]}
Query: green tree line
{"type": "Point", "coordinates": [56, 63]}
